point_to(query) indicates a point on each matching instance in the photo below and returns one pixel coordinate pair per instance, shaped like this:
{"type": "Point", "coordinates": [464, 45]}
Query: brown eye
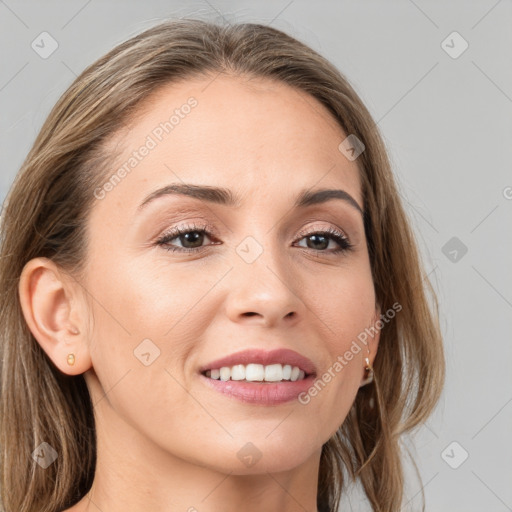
{"type": "Point", "coordinates": [320, 240]}
{"type": "Point", "coordinates": [190, 238]}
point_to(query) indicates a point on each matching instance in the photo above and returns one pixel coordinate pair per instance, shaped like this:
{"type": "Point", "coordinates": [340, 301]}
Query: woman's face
{"type": "Point", "coordinates": [263, 277]}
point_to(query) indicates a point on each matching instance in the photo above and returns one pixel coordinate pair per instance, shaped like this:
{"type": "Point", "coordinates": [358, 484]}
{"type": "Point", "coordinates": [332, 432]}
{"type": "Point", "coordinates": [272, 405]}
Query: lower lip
{"type": "Point", "coordinates": [265, 393]}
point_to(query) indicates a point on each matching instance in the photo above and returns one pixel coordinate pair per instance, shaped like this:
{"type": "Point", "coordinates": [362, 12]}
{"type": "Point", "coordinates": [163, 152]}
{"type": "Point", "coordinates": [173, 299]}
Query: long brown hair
{"type": "Point", "coordinates": [45, 215]}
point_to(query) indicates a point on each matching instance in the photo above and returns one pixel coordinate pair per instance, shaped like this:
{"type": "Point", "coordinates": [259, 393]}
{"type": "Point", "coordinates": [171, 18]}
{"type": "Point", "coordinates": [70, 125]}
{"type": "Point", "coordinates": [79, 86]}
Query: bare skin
{"type": "Point", "coordinates": [166, 441]}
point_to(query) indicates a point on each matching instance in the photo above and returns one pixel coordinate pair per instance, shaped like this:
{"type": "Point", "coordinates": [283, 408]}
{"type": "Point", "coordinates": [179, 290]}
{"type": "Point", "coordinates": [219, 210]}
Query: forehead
{"type": "Point", "coordinates": [252, 135]}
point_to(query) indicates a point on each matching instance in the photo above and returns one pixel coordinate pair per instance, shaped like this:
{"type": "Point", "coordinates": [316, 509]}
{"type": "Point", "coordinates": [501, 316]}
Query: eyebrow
{"type": "Point", "coordinates": [226, 197]}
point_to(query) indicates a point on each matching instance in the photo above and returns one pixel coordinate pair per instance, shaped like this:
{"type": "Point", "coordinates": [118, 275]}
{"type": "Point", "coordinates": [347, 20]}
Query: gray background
{"type": "Point", "coordinates": [448, 126]}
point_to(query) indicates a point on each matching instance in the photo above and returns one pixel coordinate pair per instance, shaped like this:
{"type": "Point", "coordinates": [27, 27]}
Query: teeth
{"type": "Point", "coordinates": [273, 373]}
{"type": "Point", "coordinates": [257, 373]}
{"type": "Point", "coordinates": [225, 373]}
{"type": "Point", "coordinates": [238, 372]}
{"type": "Point", "coordinates": [254, 372]}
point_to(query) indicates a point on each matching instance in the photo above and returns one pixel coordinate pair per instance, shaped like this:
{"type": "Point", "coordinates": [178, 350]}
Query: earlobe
{"type": "Point", "coordinates": [369, 358]}
{"type": "Point", "coordinates": [49, 308]}
{"type": "Point", "coordinates": [368, 373]}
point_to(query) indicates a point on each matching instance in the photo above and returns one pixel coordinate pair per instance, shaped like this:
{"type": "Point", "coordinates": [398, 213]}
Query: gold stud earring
{"type": "Point", "coordinates": [71, 359]}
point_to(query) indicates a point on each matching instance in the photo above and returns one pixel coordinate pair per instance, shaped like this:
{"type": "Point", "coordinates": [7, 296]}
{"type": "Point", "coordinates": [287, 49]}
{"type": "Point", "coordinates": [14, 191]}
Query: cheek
{"type": "Point", "coordinates": [145, 325]}
{"type": "Point", "coordinates": [345, 305]}
{"type": "Point", "coordinates": [146, 321]}
{"type": "Point", "coordinates": [345, 308]}
{"type": "Point", "coordinates": [134, 302]}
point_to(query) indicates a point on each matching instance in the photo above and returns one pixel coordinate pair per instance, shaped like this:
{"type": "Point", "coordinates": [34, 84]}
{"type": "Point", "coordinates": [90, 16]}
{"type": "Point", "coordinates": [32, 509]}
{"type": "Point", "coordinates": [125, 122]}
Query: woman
{"type": "Point", "coordinates": [212, 298]}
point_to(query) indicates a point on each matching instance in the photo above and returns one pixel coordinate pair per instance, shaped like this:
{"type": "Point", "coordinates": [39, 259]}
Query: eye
{"type": "Point", "coordinates": [191, 238]}
{"type": "Point", "coordinates": [320, 241]}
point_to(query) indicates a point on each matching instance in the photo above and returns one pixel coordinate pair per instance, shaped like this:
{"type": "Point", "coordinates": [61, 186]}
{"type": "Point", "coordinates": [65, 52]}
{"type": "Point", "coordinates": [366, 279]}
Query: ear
{"type": "Point", "coordinates": [373, 343]}
{"type": "Point", "coordinates": [54, 311]}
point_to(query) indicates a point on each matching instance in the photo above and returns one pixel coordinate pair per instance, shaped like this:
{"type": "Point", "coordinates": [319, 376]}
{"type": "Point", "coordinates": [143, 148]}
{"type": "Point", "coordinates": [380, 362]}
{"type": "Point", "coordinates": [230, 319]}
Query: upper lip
{"type": "Point", "coordinates": [257, 356]}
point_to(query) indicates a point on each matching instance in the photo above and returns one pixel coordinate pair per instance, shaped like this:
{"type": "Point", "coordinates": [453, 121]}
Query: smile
{"type": "Point", "coordinates": [260, 377]}
{"type": "Point", "coordinates": [257, 373]}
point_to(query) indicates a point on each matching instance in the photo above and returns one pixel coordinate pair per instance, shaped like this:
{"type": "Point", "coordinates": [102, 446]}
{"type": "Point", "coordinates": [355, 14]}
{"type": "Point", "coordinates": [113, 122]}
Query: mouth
{"type": "Point", "coordinates": [257, 373]}
{"type": "Point", "coordinates": [257, 365]}
{"type": "Point", "coordinates": [259, 377]}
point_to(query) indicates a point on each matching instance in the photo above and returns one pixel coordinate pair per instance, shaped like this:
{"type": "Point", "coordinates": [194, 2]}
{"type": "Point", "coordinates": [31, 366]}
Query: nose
{"type": "Point", "coordinates": [264, 293]}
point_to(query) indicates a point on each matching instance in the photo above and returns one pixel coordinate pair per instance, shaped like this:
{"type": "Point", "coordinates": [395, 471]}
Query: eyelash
{"type": "Point", "coordinates": [339, 237]}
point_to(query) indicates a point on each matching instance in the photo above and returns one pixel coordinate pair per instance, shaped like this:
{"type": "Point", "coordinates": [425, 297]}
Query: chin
{"type": "Point", "coordinates": [259, 455]}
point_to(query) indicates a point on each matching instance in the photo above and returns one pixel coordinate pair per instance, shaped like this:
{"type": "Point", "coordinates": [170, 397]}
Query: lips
{"type": "Point", "coordinates": [265, 358]}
